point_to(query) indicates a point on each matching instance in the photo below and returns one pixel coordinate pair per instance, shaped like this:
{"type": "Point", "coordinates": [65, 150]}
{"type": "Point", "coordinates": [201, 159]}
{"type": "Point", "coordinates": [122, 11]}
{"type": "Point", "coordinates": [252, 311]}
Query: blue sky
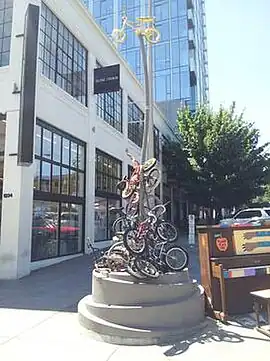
{"type": "Point", "coordinates": [239, 57]}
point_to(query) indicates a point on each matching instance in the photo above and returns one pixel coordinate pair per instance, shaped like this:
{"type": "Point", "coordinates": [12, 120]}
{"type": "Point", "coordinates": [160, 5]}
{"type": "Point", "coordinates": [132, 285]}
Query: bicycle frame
{"type": "Point", "coordinates": [157, 255]}
{"type": "Point", "coordinates": [145, 226]}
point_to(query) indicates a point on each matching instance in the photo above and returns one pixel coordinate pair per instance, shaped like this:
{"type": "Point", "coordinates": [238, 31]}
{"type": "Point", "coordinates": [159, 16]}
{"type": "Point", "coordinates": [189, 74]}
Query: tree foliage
{"type": "Point", "coordinates": [220, 159]}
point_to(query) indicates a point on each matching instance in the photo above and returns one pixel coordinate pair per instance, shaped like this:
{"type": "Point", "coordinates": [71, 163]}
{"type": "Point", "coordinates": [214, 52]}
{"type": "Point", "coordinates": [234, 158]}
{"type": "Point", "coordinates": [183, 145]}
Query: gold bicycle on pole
{"type": "Point", "coordinates": [144, 26]}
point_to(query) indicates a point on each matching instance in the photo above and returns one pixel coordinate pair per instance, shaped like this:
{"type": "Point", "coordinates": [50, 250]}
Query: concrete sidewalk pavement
{"type": "Point", "coordinates": [38, 321]}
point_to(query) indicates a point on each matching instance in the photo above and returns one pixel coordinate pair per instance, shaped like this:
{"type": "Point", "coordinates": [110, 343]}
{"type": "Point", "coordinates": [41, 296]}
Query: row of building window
{"type": "Point", "coordinates": [6, 10]}
{"type": "Point", "coordinates": [63, 60]}
{"type": "Point", "coordinates": [62, 57]}
{"type": "Point", "coordinates": [60, 163]}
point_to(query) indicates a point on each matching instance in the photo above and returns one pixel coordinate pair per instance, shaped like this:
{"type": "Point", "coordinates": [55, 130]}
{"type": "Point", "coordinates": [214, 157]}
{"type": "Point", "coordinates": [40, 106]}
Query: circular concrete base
{"type": "Point", "coordinates": [122, 310]}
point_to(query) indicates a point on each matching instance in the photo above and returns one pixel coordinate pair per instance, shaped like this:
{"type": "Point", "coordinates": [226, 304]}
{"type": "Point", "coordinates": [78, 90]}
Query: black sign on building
{"type": "Point", "coordinates": [28, 91]}
{"type": "Point", "coordinates": [107, 79]}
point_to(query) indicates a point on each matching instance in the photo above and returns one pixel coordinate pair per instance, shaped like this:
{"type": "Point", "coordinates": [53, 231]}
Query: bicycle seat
{"type": "Point", "coordinates": [145, 19]}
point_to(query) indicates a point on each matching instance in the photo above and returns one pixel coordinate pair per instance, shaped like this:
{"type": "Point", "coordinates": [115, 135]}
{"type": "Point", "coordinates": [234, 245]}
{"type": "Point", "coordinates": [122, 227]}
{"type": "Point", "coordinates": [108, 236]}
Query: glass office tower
{"type": "Point", "coordinates": [179, 59]}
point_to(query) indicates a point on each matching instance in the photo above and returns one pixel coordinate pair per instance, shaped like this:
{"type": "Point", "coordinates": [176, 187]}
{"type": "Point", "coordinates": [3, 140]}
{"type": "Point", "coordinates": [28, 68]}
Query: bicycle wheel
{"type": "Point", "coordinates": [118, 246]}
{"type": "Point", "coordinates": [149, 164]}
{"type": "Point", "coordinates": [146, 267]}
{"type": "Point", "coordinates": [118, 35]}
{"type": "Point", "coordinates": [176, 258]}
{"type": "Point", "coordinates": [158, 210]}
{"type": "Point", "coordinates": [133, 243]}
{"type": "Point", "coordinates": [152, 180]}
{"type": "Point", "coordinates": [120, 225]}
{"type": "Point", "coordinates": [167, 231]}
{"type": "Point", "coordinates": [152, 35]}
{"type": "Point", "coordinates": [133, 270]}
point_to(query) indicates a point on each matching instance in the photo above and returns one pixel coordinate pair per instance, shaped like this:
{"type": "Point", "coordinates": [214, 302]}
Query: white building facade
{"type": "Point", "coordinates": [52, 206]}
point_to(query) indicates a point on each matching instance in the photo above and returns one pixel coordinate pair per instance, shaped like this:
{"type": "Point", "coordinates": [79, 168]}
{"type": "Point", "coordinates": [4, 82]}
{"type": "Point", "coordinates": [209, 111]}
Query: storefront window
{"type": "Point", "coordinates": [59, 194]}
{"type": "Point", "coordinates": [100, 219]}
{"type": "Point", "coordinates": [44, 230]}
{"type": "Point", "coordinates": [70, 229]}
{"type": "Point", "coordinates": [108, 174]}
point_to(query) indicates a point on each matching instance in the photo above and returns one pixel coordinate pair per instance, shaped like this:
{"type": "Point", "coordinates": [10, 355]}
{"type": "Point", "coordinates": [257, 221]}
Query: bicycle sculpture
{"type": "Point", "coordinates": [143, 242]}
{"type": "Point", "coordinates": [143, 26]}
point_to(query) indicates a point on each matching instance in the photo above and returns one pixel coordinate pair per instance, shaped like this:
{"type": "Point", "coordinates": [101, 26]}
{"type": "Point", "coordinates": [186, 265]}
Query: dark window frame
{"type": "Point", "coordinates": [60, 163]}
{"type": "Point", "coordinates": [60, 198]}
{"type": "Point", "coordinates": [105, 176]}
{"type": "Point", "coordinates": [111, 193]}
{"type": "Point", "coordinates": [60, 54]}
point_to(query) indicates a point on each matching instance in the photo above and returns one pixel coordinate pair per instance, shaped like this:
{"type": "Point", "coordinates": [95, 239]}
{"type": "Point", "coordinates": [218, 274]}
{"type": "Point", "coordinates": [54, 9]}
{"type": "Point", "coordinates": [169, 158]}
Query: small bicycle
{"type": "Point", "coordinates": [150, 32]}
{"type": "Point", "coordinates": [151, 229]}
{"type": "Point", "coordinates": [151, 178]}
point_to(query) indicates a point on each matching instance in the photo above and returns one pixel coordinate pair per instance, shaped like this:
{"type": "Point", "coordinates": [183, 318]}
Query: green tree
{"type": "Point", "coordinates": [226, 165]}
{"type": "Point", "coordinates": [264, 199]}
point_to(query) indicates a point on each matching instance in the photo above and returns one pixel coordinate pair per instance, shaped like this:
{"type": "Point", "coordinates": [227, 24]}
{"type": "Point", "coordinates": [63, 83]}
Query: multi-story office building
{"type": "Point", "coordinates": [75, 141]}
{"type": "Point", "coordinates": [179, 59]}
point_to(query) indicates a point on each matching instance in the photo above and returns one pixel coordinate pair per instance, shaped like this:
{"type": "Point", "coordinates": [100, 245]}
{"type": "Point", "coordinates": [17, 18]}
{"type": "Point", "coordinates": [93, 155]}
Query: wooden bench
{"type": "Point", "coordinates": [261, 300]}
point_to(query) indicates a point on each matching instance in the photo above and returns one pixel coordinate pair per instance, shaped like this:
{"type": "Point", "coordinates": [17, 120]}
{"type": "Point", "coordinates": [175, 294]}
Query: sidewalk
{"type": "Point", "coordinates": [38, 321]}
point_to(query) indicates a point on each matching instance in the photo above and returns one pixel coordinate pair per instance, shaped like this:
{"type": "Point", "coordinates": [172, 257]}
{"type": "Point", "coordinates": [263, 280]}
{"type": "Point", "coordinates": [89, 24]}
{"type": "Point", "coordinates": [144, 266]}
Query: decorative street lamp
{"type": "Point", "coordinates": [148, 34]}
{"type": "Point", "coordinates": [144, 28]}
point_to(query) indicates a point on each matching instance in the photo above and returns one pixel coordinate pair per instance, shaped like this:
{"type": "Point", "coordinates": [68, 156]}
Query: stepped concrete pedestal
{"type": "Point", "coordinates": [127, 311]}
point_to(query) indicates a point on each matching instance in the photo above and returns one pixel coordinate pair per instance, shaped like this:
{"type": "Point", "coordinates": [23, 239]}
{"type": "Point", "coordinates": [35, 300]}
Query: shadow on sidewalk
{"type": "Point", "coordinates": [55, 288]}
{"type": "Point", "coordinates": [213, 333]}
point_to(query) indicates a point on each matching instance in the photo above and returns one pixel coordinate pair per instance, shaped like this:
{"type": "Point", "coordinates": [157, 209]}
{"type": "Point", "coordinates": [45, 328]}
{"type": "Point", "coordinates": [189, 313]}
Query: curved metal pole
{"type": "Point", "coordinates": [146, 120]}
{"type": "Point", "coordinates": [147, 99]}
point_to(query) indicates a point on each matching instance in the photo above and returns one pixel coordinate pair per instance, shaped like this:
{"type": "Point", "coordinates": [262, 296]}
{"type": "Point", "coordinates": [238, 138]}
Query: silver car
{"type": "Point", "coordinates": [247, 215]}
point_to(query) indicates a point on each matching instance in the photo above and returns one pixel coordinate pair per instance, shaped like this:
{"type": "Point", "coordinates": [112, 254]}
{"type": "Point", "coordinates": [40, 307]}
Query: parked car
{"type": "Point", "coordinates": [247, 216]}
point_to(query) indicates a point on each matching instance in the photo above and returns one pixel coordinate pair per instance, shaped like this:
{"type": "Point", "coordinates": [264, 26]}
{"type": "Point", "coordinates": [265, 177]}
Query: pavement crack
{"type": "Point", "coordinates": [113, 352]}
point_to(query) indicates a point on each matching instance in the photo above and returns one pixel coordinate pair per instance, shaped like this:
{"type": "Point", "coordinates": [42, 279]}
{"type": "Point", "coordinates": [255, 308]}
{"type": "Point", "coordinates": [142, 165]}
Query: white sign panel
{"type": "Point", "coordinates": [191, 229]}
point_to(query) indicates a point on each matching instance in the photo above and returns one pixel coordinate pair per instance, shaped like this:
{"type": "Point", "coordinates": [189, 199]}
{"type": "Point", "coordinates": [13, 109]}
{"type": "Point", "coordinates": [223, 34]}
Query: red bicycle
{"type": "Point", "coordinates": [130, 186]}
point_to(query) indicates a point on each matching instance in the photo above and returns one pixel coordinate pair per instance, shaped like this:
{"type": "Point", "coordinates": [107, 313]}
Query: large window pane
{"type": "Point", "coordinates": [67, 67]}
{"type": "Point", "coordinates": [73, 182]}
{"type": "Point", "coordinates": [74, 155]}
{"type": "Point", "coordinates": [56, 148]}
{"type": "Point", "coordinates": [81, 157]}
{"type": "Point", "coordinates": [101, 220]}
{"type": "Point", "coordinates": [45, 177]}
{"type": "Point", "coordinates": [71, 226]}
{"type": "Point", "coordinates": [37, 175]}
{"type": "Point", "coordinates": [65, 181]}
{"type": "Point", "coordinates": [65, 151]}
{"type": "Point", "coordinates": [80, 184]}
{"type": "Point", "coordinates": [44, 230]}
{"type": "Point", "coordinates": [47, 144]}
{"type": "Point", "coordinates": [56, 179]}
{"type": "Point", "coordinates": [38, 140]}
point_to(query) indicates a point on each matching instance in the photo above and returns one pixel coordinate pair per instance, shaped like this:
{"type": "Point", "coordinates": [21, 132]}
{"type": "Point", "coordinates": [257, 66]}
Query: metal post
{"type": "Point", "coordinates": [150, 147]}
{"type": "Point", "coordinates": [161, 168]}
{"type": "Point", "coordinates": [146, 119]}
{"type": "Point", "coordinates": [147, 100]}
